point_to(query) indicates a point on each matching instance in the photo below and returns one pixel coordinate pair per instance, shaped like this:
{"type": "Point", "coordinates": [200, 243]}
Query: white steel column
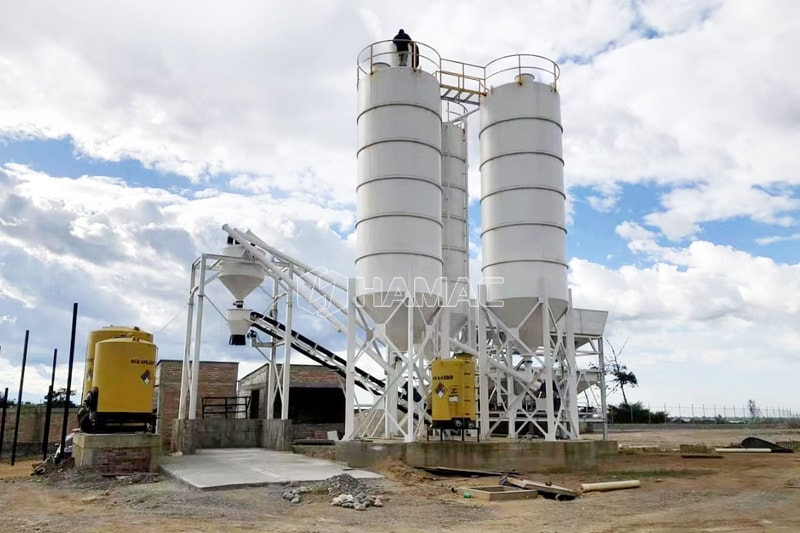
{"type": "Point", "coordinates": [350, 385]}
{"type": "Point", "coordinates": [548, 369]}
{"type": "Point", "coordinates": [410, 433]}
{"type": "Point", "coordinates": [187, 348]}
{"type": "Point", "coordinates": [511, 396]}
{"type": "Point", "coordinates": [444, 332]}
{"type": "Point", "coordinates": [201, 294]}
{"type": "Point", "coordinates": [390, 396]}
{"type": "Point", "coordinates": [572, 378]}
{"type": "Point", "coordinates": [483, 366]}
{"type": "Point", "coordinates": [287, 349]}
{"type": "Point", "coordinates": [601, 361]}
{"type": "Point", "coordinates": [272, 370]}
{"type": "Point", "coordinates": [469, 338]}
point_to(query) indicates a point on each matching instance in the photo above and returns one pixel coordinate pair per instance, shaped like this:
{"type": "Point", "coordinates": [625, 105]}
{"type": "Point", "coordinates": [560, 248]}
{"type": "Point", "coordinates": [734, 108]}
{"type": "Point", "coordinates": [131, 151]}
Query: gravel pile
{"type": "Point", "coordinates": [359, 502]}
{"type": "Point", "coordinates": [77, 478]}
{"type": "Point", "coordinates": [294, 494]}
{"type": "Point", "coordinates": [343, 484]}
{"type": "Point", "coordinates": [350, 493]}
{"type": "Point", "coordinates": [90, 479]}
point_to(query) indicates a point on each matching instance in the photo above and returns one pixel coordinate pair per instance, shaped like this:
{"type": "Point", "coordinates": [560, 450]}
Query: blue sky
{"type": "Point", "coordinates": [119, 163]}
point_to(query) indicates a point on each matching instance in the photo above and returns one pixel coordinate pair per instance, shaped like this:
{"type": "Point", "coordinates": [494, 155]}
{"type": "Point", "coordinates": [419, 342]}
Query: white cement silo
{"type": "Point", "coordinates": [455, 238]}
{"type": "Point", "coordinates": [399, 197]}
{"type": "Point", "coordinates": [523, 226]}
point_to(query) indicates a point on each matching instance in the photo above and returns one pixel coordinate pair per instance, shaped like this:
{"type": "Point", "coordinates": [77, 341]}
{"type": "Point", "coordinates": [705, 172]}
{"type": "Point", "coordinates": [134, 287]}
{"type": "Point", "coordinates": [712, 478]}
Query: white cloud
{"type": "Point", "coordinates": [774, 239]}
{"type": "Point", "coordinates": [675, 15]}
{"type": "Point", "coordinates": [124, 252]}
{"type": "Point", "coordinates": [604, 203]}
{"type": "Point", "coordinates": [689, 111]}
{"type": "Point", "coordinates": [687, 208]}
{"type": "Point", "coordinates": [705, 323]}
{"type": "Point", "coordinates": [639, 239]}
{"type": "Point", "coordinates": [255, 107]}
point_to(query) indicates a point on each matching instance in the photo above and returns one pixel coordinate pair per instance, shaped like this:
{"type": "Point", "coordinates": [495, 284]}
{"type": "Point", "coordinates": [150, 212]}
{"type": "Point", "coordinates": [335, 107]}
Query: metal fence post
{"type": "Point", "coordinates": [69, 375]}
{"type": "Point", "coordinates": [49, 409]}
{"type": "Point", "coordinates": [3, 420]}
{"type": "Point", "coordinates": [19, 399]}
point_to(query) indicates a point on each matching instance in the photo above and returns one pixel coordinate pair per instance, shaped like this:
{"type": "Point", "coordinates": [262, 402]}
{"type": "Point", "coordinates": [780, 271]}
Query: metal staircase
{"type": "Point", "coordinates": [461, 82]}
{"type": "Point", "coordinates": [316, 352]}
{"type": "Point", "coordinates": [323, 356]}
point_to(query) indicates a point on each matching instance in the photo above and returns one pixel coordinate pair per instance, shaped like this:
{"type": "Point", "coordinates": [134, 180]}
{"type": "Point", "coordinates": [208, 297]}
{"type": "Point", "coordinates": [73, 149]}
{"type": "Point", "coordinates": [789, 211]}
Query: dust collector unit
{"type": "Point", "coordinates": [241, 275]}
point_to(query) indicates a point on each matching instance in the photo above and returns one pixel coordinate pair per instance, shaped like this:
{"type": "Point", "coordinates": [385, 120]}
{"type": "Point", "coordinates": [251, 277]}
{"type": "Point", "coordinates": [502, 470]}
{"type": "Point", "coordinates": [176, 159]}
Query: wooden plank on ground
{"type": "Point", "coordinates": [460, 471]}
{"type": "Point", "coordinates": [497, 493]}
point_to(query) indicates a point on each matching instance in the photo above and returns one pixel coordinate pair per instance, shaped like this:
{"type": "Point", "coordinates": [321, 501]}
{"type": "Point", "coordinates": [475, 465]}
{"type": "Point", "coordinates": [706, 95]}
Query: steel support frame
{"type": "Point", "coordinates": [506, 393]}
{"type": "Point", "coordinates": [203, 272]}
{"type": "Point", "coordinates": [505, 387]}
{"type": "Point", "coordinates": [294, 279]}
{"type": "Point", "coordinates": [385, 417]}
{"type": "Point", "coordinates": [591, 379]}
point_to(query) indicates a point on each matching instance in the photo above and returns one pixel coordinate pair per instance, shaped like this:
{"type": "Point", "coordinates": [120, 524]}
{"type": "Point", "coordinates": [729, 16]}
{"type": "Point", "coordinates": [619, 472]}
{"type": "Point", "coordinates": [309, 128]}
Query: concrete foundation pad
{"type": "Point", "coordinates": [501, 455]}
{"type": "Point", "coordinates": [250, 467]}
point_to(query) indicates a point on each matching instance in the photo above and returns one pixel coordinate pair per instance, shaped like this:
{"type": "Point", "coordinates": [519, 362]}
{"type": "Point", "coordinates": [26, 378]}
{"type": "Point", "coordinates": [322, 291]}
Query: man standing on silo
{"type": "Point", "coordinates": [402, 41]}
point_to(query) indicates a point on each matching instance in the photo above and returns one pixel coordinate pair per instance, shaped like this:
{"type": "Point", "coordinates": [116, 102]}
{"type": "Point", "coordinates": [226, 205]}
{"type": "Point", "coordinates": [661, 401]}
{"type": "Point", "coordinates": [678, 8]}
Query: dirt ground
{"type": "Point", "coordinates": [740, 492]}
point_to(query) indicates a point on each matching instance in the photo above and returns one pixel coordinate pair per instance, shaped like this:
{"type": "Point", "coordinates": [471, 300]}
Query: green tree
{"type": "Point", "coordinates": [635, 413]}
{"type": "Point", "coordinates": [60, 397]}
{"type": "Point", "coordinates": [621, 377]}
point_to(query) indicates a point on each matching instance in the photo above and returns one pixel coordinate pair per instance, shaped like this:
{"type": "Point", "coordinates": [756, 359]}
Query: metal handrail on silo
{"type": "Point", "coordinates": [469, 78]}
{"type": "Point", "coordinates": [520, 64]}
{"type": "Point", "coordinates": [384, 53]}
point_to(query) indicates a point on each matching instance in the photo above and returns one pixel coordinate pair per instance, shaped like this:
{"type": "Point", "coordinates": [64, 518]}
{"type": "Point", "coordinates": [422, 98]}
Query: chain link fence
{"type": "Point", "coordinates": [640, 413]}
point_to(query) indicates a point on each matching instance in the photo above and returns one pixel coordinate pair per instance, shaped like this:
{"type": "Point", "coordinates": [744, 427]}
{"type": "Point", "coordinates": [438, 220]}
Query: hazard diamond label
{"type": "Point", "coordinates": [440, 390]}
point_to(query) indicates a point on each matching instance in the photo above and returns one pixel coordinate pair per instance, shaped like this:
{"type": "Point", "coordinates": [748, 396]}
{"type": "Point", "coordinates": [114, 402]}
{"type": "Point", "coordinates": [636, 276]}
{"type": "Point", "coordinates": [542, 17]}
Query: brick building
{"type": "Point", "coordinates": [217, 379]}
{"type": "Point", "coordinates": [316, 399]}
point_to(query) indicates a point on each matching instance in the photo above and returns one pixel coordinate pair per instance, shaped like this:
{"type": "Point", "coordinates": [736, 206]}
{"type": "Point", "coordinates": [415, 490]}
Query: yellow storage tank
{"type": "Point", "coordinates": [453, 392]}
{"type": "Point", "coordinates": [99, 335]}
{"type": "Point", "coordinates": [124, 377]}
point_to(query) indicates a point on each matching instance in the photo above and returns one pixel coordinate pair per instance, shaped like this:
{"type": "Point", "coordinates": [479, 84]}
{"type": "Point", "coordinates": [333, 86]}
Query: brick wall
{"type": "Point", "coordinates": [31, 428]}
{"type": "Point", "coordinates": [301, 376]}
{"type": "Point", "coordinates": [123, 460]}
{"type": "Point", "coordinates": [316, 431]}
{"type": "Point", "coordinates": [216, 379]}
{"type": "Point", "coordinates": [117, 453]}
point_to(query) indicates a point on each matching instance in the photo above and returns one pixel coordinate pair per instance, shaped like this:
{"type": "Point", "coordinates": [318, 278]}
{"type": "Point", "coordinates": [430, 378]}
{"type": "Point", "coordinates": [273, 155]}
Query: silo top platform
{"type": "Point", "coordinates": [460, 82]}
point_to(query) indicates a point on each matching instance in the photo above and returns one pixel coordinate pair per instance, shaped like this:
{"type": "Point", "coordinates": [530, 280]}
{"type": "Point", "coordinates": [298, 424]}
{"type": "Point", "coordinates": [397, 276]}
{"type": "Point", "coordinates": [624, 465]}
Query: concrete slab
{"type": "Point", "coordinates": [249, 467]}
